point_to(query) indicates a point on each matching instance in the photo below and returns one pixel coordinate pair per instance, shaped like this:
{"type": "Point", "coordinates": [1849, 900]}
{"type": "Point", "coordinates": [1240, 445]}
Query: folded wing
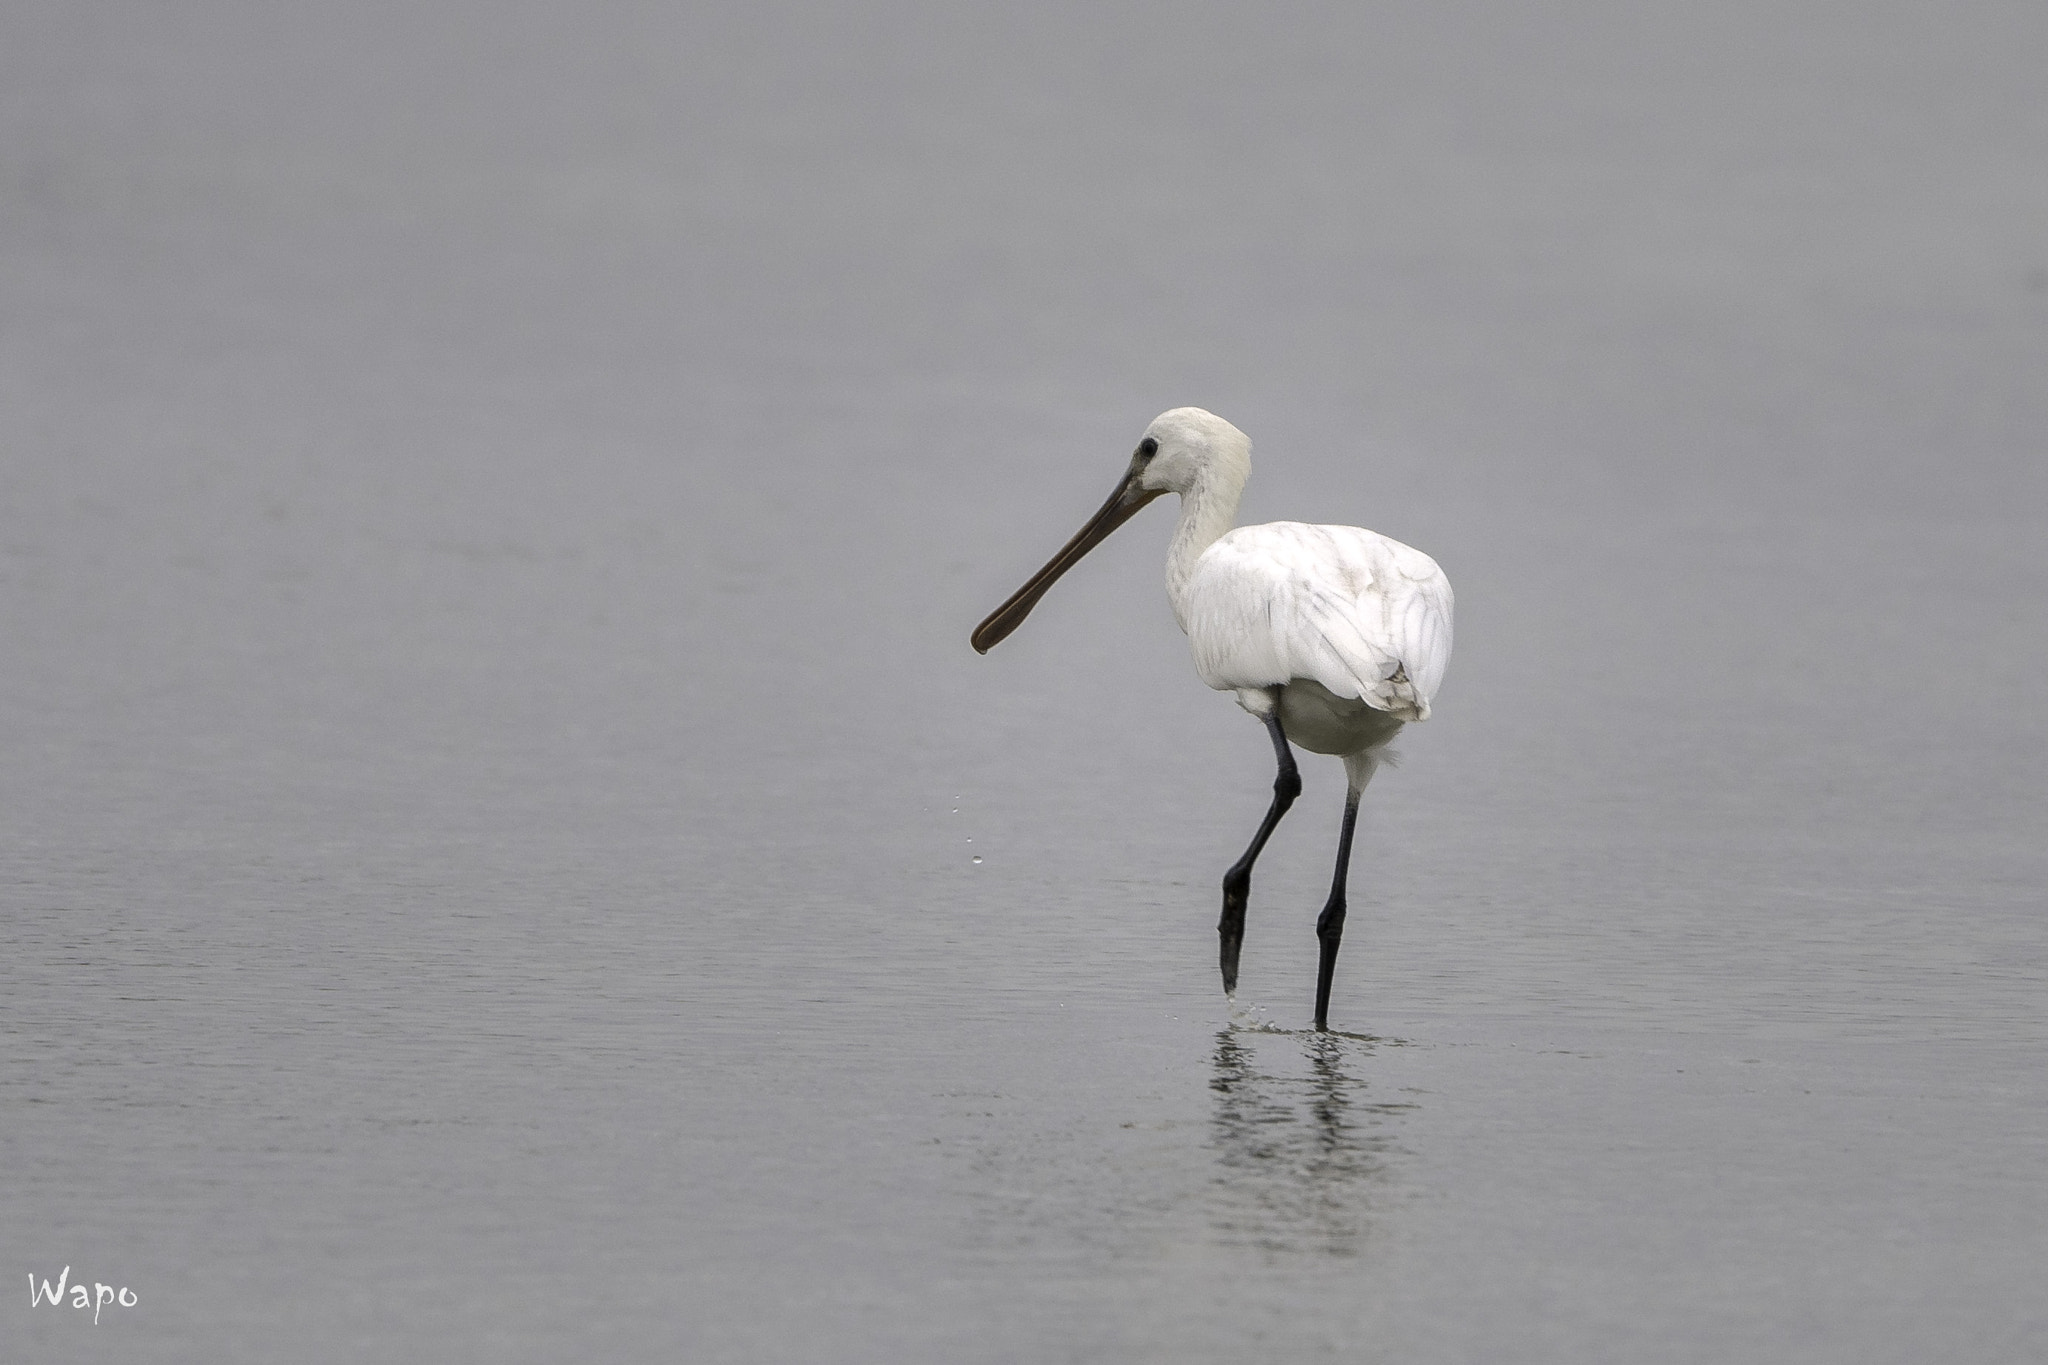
{"type": "Point", "coordinates": [1363, 615]}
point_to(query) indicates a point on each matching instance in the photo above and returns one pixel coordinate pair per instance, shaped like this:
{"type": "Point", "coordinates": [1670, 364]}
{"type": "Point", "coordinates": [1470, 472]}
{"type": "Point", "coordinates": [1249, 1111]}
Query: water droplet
{"type": "Point", "coordinates": [977, 857]}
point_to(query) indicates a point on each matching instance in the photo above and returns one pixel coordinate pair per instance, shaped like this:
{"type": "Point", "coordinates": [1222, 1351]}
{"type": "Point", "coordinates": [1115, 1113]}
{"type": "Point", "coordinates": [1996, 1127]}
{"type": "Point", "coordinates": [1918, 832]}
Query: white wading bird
{"type": "Point", "coordinates": [1333, 636]}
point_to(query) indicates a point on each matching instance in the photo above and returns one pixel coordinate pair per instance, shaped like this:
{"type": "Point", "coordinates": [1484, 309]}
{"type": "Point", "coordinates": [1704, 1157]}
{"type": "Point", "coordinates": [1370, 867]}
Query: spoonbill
{"type": "Point", "coordinates": [1332, 636]}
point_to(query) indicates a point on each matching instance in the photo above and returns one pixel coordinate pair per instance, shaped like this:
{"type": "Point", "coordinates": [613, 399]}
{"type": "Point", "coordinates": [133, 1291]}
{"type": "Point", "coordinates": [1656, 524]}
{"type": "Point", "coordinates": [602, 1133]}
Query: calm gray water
{"type": "Point", "coordinates": [494, 501]}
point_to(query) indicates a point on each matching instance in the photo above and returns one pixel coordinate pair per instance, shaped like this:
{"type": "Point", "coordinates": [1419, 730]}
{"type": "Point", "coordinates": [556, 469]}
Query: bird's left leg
{"type": "Point", "coordinates": [1237, 883]}
{"type": "Point", "coordinates": [1330, 924]}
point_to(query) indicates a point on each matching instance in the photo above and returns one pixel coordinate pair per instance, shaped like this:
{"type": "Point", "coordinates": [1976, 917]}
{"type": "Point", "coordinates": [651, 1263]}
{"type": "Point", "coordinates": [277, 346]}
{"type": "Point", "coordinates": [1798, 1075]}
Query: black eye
{"type": "Point", "coordinates": [1147, 448]}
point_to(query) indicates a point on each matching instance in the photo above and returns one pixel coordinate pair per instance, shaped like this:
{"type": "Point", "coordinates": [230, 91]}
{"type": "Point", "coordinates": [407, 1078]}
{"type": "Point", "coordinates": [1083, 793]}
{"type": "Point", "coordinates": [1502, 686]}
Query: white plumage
{"type": "Point", "coordinates": [1334, 637]}
{"type": "Point", "coordinates": [1365, 616]}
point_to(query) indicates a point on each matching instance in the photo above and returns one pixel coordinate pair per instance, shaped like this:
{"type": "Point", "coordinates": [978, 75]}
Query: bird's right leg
{"type": "Point", "coordinates": [1237, 883]}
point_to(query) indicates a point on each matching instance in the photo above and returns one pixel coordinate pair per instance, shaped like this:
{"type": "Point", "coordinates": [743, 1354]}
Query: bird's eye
{"type": "Point", "coordinates": [1147, 448]}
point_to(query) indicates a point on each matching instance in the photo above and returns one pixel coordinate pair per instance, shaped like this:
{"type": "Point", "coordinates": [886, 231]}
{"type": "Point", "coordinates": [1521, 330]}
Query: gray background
{"type": "Point", "coordinates": [494, 501]}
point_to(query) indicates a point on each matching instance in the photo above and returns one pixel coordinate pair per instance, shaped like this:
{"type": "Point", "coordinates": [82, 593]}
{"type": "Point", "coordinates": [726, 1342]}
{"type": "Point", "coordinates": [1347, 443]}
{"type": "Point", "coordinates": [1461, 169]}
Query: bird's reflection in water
{"type": "Point", "coordinates": [1299, 1141]}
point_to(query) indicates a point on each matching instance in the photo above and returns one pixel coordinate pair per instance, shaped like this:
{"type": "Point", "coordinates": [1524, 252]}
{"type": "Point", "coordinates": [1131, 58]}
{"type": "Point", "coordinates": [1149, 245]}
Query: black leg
{"type": "Point", "coordinates": [1330, 924]}
{"type": "Point", "coordinates": [1237, 883]}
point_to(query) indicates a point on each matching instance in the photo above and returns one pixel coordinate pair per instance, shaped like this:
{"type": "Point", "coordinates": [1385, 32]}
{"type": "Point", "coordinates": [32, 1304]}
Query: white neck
{"type": "Point", "coordinates": [1207, 511]}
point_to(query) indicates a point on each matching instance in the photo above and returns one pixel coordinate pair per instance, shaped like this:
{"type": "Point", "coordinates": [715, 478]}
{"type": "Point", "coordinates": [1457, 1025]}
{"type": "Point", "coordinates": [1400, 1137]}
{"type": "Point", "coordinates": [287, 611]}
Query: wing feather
{"type": "Point", "coordinates": [1363, 615]}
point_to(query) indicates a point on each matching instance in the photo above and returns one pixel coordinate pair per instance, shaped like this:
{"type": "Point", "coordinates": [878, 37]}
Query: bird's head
{"type": "Point", "coordinates": [1190, 446]}
{"type": "Point", "coordinates": [1181, 449]}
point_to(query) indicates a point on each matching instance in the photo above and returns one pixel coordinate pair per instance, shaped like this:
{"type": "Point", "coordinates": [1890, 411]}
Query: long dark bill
{"type": "Point", "coordinates": [1121, 507]}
